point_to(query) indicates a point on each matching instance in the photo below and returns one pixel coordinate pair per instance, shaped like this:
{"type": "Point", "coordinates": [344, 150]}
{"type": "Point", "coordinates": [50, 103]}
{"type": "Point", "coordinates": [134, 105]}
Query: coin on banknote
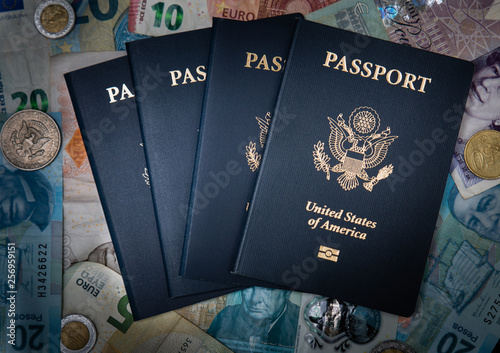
{"type": "Point", "coordinates": [392, 346]}
{"type": "Point", "coordinates": [482, 154]}
{"type": "Point", "coordinates": [78, 334]}
{"type": "Point", "coordinates": [54, 18]}
{"type": "Point", "coordinates": [30, 139]}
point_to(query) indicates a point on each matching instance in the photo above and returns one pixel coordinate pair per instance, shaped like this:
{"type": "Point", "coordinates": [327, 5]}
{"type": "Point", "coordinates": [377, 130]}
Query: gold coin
{"type": "Point", "coordinates": [75, 335]}
{"type": "Point", "coordinates": [30, 139]}
{"type": "Point", "coordinates": [482, 154]}
{"type": "Point", "coordinates": [78, 334]}
{"type": "Point", "coordinates": [54, 18]}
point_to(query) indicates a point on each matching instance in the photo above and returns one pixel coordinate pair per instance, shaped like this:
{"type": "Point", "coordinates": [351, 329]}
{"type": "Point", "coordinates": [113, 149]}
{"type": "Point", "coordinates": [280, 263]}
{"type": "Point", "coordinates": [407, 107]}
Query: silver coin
{"type": "Point", "coordinates": [54, 18]}
{"type": "Point", "coordinates": [30, 139]}
{"type": "Point", "coordinates": [78, 334]}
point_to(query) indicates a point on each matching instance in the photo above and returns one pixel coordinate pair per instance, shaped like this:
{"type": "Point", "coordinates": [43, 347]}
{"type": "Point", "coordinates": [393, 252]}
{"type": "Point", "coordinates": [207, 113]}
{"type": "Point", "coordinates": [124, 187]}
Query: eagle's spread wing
{"type": "Point", "coordinates": [337, 137]}
{"type": "Point", "coordinates": [39, 144]}
{"type": "Point", "coordinates": [379, 151]}
{"type": "Point", "coordinates": [264, 128]}
{"type": "Point", "coordinates": [24, 130]}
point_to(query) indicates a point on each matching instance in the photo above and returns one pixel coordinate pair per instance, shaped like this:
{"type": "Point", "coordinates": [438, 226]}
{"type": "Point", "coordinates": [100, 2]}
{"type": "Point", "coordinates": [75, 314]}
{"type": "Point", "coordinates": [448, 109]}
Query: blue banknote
{"type": "Point", "coordinates": [459, 303]}
{"type": "Point", "coordinates": [267, 320]}
{"type": "Point", "coordinates": [31, 256]}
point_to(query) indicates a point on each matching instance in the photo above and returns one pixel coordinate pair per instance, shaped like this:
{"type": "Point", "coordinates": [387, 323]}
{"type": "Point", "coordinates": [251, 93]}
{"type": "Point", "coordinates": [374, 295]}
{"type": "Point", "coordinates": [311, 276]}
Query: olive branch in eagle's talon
{"type": "Point", "coordinates": [321, 159]}
{"type": "Point", "coordinates": [253, 157]}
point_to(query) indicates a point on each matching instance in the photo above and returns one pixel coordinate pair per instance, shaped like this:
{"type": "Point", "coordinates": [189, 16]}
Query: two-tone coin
{"type": "Point", "coordinates": [482, 154]}
{"type": "Point", "coordinates": [30, 139]}
{"type": "Point", "coordinates": [78, 334]}
{"type": "Point", "coordinates": [392, 346]}
{"type": "Point", "coordinates": [54, 18]}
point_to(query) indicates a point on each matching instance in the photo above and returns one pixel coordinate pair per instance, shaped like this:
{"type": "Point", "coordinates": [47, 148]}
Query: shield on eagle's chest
{"type": "Point", "coordinates": [353, 162]}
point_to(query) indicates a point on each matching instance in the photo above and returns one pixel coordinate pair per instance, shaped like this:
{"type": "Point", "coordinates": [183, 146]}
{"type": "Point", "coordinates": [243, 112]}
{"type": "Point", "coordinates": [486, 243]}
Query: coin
{"type": "Point", "coordinates": [392, 346]}
{"type": "Point", "coordinates": [78, 334]}
{"type": "Point", "coordinates": [482, 154]}
{"type": "Point", "coordinates": [54, 18]}
{"type": "Point", "coordinates": [30, 139]}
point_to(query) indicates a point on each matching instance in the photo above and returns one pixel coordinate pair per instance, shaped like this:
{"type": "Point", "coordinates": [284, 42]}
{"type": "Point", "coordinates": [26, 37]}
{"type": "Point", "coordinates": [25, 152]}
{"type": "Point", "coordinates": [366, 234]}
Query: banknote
{"type": "Point", "coordinates": [271, 8]}
{"type": "Point", "coordinates": [98, 293]}
{"type": "Point", "coordinates": [86, 235]}
{"type": "Point", "coordinates": [482, 111]}
{"type": "Point", "coordinates": [270, 320]}
{"type": "Point", "coordinates": [494, 11]}
{"type": "Point", "coordinates": [352, 15]}
{"type": "Point", "coordinates": [328, 324]}
{"type": "Point", "coordinates": [24, 64]}
{"type": "Point", "coordinates": [451, 27]}
{"type": "Point", "coordinates": [101, 25]}
{"type": "Point", "coordinates": [155, 18]}
{"type": "Point", "coordinates": [459, 299]}
{"type": "Point", "coordinates": [243, 10]}
{"type": "Point", "coordinates": [30, 257]}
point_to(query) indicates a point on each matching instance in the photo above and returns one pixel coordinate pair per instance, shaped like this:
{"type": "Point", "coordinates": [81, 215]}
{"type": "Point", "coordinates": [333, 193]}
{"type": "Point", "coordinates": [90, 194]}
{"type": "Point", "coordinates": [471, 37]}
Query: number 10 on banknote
{"type": "Point", "coordinates": [155, 18]}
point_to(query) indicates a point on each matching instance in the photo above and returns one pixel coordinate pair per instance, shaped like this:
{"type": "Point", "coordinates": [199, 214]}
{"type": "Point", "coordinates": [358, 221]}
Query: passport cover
{"type": "Point", "coordinates": [354, 169]}
{"type": "Point", "coordinates": [111, 134]}
{"type": "Point", "coordinates": [169, 74]}
{"type": "Point", "coordinates": [246, 67]}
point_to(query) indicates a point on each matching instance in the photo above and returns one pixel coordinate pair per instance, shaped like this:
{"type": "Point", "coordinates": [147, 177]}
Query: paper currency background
{"type": "Point", "coordinates": [31, 260]}
{"type": "Point", "coordinates": [459, 301]}
{"type": "Point", "coordinates": [481, 113]}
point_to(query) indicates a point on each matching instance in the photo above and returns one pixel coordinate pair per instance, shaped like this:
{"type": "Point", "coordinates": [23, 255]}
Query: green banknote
{"type": "Point", "coordinates": [24, 59]}
{"type": "Point", "coordinates": [459, 304]}
{"type": "Point", "coordinates": [155, 18]}
{"type": "Point", "coordinates": [31, 256]}
{"type": "Point", "coordinates": [98, 293]}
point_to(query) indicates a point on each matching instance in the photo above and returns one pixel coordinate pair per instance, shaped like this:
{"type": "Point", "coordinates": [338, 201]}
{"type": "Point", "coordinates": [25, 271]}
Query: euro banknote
{"type": "Point", "coordinates": [155, 18]}
{"type": "Point", "coordinates": [98, 293]}
{"type": "Point", "coordinates": [101, 25]}
{"type": "Point", "coordinates": [459, 301]}
{"type": "Point", "coordinates": [271, 8]}
{"type": "Point", "coordinates": [31, 256]}
{"type": "Point", "coordinates": [24, 64]}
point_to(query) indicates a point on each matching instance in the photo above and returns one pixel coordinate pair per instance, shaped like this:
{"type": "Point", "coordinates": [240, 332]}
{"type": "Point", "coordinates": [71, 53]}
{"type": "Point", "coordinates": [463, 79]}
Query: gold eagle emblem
{"type": "Point", "coordinates": [357, 146]}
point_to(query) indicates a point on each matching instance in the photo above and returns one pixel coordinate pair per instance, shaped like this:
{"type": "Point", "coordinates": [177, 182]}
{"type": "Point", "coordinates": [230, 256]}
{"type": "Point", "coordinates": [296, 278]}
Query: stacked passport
{"type": "Point", "coordinates": [279, 153]}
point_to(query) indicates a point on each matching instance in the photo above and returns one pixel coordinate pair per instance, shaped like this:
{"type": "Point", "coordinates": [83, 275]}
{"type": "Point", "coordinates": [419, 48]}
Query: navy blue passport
{"type": "Point", "coordinates": [104, 103]}
{"type": "Point", "coordinates": [247, 61]}
{"type": "Point", "coordinates": [169, 75]}
{"type": "Point", "coordinates": [354, 169]}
